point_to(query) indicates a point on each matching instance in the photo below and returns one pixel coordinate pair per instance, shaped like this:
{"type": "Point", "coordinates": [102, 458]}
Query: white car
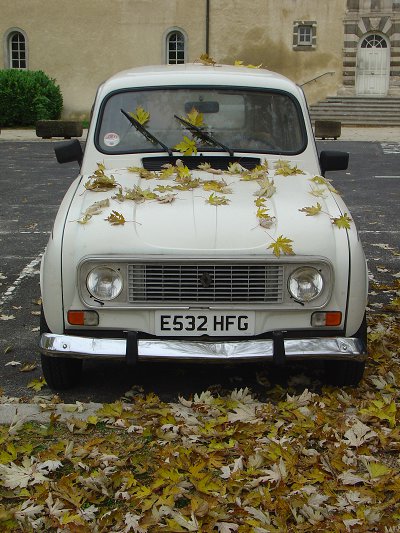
{"type": "Point", "coordinates": [202, 229]}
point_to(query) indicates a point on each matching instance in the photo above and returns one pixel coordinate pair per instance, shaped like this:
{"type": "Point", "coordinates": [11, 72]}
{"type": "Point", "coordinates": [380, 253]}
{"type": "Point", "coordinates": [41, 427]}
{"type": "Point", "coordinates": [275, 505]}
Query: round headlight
{"type": "Point", "coordinates": [305, 284]}
{"type": "Point", "coordinates": [104, 283]}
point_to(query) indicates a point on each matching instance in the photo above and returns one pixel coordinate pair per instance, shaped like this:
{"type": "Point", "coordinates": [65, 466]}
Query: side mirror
{"type": "Point", "coordinates": [67, 152]}
{"type": "Point", "coordinates": [333, 160]}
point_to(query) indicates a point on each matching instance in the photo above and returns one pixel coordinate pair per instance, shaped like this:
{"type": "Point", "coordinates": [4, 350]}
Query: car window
{"type": "Point", "coordinates": [244, 120]}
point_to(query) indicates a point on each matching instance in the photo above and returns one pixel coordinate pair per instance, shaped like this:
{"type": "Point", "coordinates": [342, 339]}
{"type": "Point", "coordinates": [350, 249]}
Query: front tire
{"type": "Point", "coordinates": [60, 373]}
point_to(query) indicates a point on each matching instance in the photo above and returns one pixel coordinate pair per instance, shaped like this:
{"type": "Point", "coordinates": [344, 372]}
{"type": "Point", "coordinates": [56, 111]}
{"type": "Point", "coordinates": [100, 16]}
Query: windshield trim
{"type": "Point", "coordinates": [199, 86]}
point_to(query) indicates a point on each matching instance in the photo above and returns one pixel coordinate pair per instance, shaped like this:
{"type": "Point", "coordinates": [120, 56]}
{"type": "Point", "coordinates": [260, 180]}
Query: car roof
{"type": "Point", "coordinates": [197, 74]}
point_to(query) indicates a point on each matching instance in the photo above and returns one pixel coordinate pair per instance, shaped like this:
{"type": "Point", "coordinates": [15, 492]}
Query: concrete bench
{"type": "Point", "coordinates": [328, 129]}
{"type": "Point", "coordinates": [58, 128]}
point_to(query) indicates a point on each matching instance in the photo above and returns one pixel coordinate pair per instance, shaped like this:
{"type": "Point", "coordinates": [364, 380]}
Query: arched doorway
{"type": "Point", "coordinates": [373, 66]}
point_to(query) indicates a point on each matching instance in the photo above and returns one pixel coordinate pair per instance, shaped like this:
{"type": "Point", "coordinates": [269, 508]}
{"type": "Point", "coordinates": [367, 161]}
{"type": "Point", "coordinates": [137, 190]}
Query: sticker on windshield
{"type": "Point", "coordinates": [111, 139]}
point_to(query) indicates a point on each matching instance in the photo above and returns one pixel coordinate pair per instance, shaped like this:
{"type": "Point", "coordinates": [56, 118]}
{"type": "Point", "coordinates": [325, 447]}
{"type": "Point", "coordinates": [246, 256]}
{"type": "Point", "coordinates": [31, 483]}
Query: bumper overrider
{"type": "Point", "coordinates": [133, 350]}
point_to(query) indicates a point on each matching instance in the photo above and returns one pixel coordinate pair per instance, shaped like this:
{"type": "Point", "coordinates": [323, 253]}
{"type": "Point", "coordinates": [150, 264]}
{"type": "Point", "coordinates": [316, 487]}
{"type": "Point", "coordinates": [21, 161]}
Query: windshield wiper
{"type": "Point", "coordinates": [203, 135]}
{"type": "Point", "coordinates": [149, 136]}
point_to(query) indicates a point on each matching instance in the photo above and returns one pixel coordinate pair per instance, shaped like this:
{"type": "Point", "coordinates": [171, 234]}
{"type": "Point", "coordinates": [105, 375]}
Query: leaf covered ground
{"type": "Point", "coordinates": [297, 461]}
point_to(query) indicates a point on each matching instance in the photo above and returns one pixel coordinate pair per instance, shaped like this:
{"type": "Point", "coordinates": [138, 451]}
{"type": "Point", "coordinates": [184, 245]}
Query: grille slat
{"type": "Point", "coordinates": [205, 283]}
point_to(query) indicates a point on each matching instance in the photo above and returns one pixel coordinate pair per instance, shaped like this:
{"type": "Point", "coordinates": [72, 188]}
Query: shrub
{"type": "Point", "coordinates": [27, 96]}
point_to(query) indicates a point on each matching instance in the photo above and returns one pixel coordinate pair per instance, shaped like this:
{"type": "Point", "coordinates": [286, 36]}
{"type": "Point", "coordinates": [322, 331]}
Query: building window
{"type": "Point", "coordinates": [175, 48]}
{"type": "Point", "coordinates": [17, 56]}
{"type": "Point", "coordinates": [374, 41]}
{"type": "Point", "coordinates": [304, 35]}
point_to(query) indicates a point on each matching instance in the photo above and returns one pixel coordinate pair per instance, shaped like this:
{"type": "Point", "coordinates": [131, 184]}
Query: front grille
{"type": "Point", "coordinates": [205, 283]}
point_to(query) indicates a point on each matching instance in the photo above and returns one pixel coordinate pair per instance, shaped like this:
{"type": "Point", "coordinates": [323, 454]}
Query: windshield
{"type": "Point", "coordinates": [243, 120]}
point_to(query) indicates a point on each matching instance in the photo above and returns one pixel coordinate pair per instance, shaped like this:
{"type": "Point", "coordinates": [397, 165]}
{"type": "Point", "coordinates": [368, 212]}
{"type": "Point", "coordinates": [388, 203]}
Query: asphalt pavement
{"type": "Point", "coordinates": [32, 185]}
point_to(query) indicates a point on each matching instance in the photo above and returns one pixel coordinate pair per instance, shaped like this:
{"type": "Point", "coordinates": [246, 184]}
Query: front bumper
{"type": "Point", "coordinates": [133, 350]}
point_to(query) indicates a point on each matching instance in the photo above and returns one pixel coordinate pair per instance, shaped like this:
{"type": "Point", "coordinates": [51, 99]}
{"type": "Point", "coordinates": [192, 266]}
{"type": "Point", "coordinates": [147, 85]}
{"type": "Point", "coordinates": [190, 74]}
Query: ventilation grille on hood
{"type": "Point", "coordinates": [192, 162]}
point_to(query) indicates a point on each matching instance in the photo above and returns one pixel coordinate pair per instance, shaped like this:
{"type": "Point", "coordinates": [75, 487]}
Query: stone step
{"type": "Point", "coordinates": [352, 110]}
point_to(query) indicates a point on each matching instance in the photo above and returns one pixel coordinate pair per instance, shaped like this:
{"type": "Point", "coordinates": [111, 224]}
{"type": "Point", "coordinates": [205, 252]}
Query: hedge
{"type": "Point", "coordinates": [27, 96]}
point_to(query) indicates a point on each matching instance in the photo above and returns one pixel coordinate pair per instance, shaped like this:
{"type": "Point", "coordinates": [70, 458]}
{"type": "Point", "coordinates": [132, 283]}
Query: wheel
{"type": "Point", "coordinates": [60, 373]}
{"type": "Point", "coordinates": [347, 373]}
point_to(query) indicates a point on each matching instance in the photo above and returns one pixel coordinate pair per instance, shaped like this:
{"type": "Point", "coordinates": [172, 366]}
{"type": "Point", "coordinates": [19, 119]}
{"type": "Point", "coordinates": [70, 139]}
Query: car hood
{"type": "Point", "coordinates": [191, 225]}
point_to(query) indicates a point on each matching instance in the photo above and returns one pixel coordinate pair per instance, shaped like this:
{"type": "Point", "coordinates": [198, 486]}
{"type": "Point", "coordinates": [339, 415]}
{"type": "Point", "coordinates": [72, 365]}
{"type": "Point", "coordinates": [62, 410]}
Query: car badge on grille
{"type": "Point", "coordinates": [205, 280]}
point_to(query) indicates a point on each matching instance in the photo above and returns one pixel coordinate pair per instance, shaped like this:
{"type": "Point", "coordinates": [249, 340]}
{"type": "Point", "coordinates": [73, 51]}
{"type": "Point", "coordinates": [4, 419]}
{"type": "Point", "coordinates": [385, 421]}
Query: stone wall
{"type": "Point", "coordinates": [80, 43]}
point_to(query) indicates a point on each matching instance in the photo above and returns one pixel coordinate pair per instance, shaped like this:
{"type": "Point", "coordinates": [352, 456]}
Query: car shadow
{"type": "Point", "coordinates": [109, 381]}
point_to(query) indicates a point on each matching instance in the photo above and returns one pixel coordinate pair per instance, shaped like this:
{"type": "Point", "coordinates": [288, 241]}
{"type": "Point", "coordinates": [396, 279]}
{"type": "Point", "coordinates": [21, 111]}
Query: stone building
{"type": "Point", "coordinates": [329, 46]}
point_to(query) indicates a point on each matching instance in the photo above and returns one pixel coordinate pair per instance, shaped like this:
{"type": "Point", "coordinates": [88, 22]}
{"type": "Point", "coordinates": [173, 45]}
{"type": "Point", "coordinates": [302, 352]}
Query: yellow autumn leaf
{"type": "Point", "coordinates": [260, 202]}
{"type": "Point", "coordinates": [216, 186]}
{"type": "Point", "coordinates": [99, 181]}
{"type": "Point", "coordinates": [147, 174]}
{"type": "Point", "coordinates": [37, 384]}
{"type": "Point", "coordinates": [376, 469]}
{"type": "Point", "coordinates": [240, 63]}
{"type": "Point", "coordinates": [213, 199]}
{"type": "Point", "coordinates": [284, 168]}
{"type": "Point", "coordinates": [342, 221]}
{"type": "Point", "coordinates": [186, 146]}
{"type": "Point", "coordinates": [312, 210]}
{"type": "Point", "coordinates": [381, 410]}
{"type": "Point", "coordinates": [319, 180]}
{"type": "Point", "coordinates": [140, 115]}
{"type": "Point", "coordinates": [205, 59]}
{"type": "Point", "coordinates": [195, 118]}
{"type": "Point", "coordinates": [282, 245]}
{"type": "Point", "coordinates": [116, 219]}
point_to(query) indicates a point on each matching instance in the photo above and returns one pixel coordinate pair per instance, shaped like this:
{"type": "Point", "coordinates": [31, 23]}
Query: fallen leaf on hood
{"type": "Point", "coordinates": [166, 199]}
{"type": "Point", "coordinates": [342, 221]}
{"type": "Point", "coordinates": [312, 210]}
{"type": "Point", "coordinates": [282, 245]}
{"type": "Point", "coordinates": [283, 168]}
{"type": "Point", "coordinates": [116, 219]}
{"type": "Point", "coordinates": [213, 199]}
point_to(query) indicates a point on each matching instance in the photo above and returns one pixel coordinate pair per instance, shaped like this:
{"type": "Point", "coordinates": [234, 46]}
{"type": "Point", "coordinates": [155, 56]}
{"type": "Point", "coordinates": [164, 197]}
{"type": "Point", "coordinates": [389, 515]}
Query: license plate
{"type": "Point", "coordinates": [205, 323]}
